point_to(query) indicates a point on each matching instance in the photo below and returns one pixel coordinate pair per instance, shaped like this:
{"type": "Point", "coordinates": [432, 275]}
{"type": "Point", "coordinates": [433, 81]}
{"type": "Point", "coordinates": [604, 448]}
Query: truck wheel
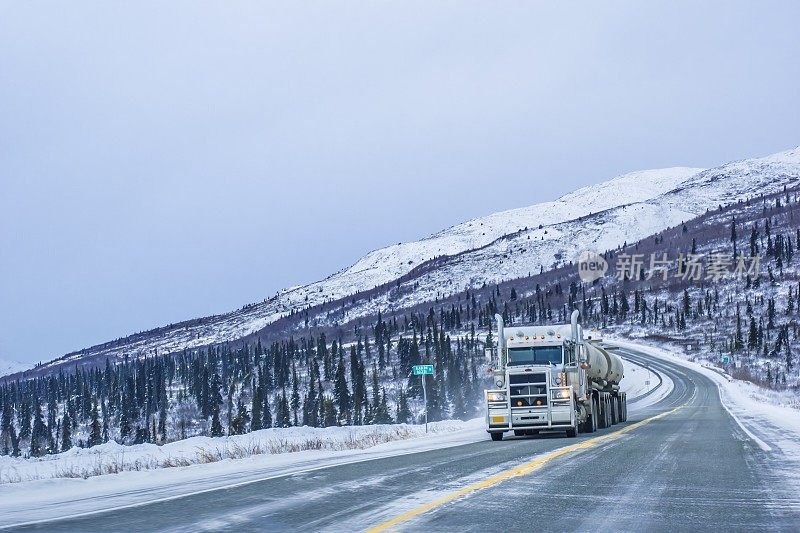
{"type": "Point", "coordinates": [614, 410]}
{"type": "Point", "coordinates": [496, 436]}
{"type": "Point", "coordinates": [572, 432]}
{"type": "Point", "coordinates": [598, 412]}
{"type": "Point", "coordinates": [602, 414]}
{"type": "Point", "coordinates": [625, 408]}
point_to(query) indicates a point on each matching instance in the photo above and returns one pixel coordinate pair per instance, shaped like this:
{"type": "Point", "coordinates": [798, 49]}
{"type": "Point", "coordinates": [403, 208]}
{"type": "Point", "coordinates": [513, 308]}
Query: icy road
{"type": "Point", "coordinates": [681, 462]}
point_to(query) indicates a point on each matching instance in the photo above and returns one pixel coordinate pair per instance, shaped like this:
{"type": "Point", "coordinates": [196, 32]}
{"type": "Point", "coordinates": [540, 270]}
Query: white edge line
{"type": "Point", "coordinates": [761, 444]}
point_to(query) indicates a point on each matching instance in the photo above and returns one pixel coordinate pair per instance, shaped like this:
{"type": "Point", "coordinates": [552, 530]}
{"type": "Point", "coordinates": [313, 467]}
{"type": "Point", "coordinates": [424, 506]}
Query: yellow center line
{"type": "Point", "coordinates": [517, 471]}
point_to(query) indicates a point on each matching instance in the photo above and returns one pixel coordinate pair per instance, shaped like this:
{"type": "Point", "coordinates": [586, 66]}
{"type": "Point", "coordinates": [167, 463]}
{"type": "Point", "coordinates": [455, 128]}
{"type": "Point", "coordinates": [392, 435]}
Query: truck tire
{"type": "Point", "coordinates": [496, 436]}
{"type": "Point", "coordinates": [614, 410]}
{"type": "Point", "coordinates": [572, 432]}
{"type": "Point", "coordinates": [518, 433]}
{"type": "Point", "coordinates": [596, 415]}
{"type": "Point", "coordinates": [625, 408]}
{"type": "Point", "coordinates": [602, 413]}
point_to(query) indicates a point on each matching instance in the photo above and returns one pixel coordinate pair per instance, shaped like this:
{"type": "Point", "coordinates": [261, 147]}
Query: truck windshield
{"type": "Point", "coordinates": [535, 356]}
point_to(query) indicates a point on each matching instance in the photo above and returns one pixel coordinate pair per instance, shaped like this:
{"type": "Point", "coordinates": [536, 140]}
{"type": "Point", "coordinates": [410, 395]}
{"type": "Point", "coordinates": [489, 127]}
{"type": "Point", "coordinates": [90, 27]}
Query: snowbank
{"type": "Point", "coordinates": [48, 496]}
{"type": "Point", "coordinates": [112, 458]}
{"type": "Point", "coordinates": [644, 386]}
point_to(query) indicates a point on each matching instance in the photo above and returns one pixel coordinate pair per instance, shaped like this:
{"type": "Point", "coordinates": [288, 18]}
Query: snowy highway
{"type": "Point", "coordinates": [681, 462]}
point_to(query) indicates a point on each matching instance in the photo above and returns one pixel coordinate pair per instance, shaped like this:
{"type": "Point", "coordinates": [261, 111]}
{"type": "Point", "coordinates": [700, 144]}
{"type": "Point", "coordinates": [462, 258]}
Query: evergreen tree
{"type": "Point", "coordinates": [66, 433]}
{"type": "Point", "coordinates": [38, 434]}
{"type": "Point", "coordinates": [382, 415]}
{"type": "Point", "coordinates": [329, 411]}
{"type": "Point", "coordinates": [342, 393]}
{"type": "Point", "coordinates": [216, 424]}
{"type": "Point", "coordinates": [295, 396]}
{"type": "Point", "coordinates": [738, 339]}
{"type": "Point", "coordinates": [15, 451]}
{"type": "Point", "coordinates": [403, 413]}
{"type": "Point", "coordinates": [95, 428]}
{"type": "Point", "coordinates": [284, 415]}
{"type": "Point", "coordinates": [266, 413]}
{"type": "Point", "coordinates": [240, 421]}
{"type": "Point", "coordinates": [752, 337]}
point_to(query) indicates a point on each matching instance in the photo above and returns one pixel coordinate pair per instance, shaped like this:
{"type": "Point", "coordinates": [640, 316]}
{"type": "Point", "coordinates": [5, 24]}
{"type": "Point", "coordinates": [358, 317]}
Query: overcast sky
{"type": "Point", "coordinates": [166, 160]}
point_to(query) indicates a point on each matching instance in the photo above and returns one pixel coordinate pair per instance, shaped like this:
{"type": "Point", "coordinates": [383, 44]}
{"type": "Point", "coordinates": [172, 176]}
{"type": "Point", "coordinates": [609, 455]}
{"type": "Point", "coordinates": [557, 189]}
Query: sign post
{"type": "Point", "coordinates": [424, 370]}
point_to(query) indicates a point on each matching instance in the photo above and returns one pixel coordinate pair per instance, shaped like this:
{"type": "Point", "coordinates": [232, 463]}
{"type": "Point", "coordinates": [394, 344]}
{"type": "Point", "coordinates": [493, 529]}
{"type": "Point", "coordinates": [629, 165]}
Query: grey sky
{"type": "Point", "coordinates": [166, 160]}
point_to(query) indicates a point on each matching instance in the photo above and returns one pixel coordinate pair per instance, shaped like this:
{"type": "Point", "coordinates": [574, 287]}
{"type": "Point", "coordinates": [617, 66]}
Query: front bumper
{"type": "Point", "coordinates": [500, 417]}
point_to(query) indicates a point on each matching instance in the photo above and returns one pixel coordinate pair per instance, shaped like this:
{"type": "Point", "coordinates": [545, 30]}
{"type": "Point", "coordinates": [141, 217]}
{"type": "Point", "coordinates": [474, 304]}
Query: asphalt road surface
{"type": "Point", "coordinates": [680, 464]}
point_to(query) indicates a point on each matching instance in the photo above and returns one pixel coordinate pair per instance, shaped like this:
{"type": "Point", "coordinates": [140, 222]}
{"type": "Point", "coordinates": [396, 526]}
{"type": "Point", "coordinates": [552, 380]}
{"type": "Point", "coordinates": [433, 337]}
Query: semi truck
{"type": "Point", "coordinates": [552, 379]}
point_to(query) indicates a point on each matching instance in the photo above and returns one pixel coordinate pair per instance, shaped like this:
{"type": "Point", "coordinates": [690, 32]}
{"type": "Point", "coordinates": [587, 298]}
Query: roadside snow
{"type": "Point", "coordinates": [113, 458]}
{"type": "Point", "coordinates": [642, 394]}
{"type": "Point", "coordinates": [48, 495]}
{"type": "Point", "coordinates": [643, 385]}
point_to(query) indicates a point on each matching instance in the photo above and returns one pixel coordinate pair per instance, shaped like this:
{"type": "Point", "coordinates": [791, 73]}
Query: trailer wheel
{"type": "Point", "coordinates": [602, 413]}
{"type": "Point", "coordinates": [614, 410]}
{"type": "Point", "coordinates": [496, 436]}
{"type": "Point", "coordinates": [625, 407]}
{"type": "Point", "coordinates": [595, 414]}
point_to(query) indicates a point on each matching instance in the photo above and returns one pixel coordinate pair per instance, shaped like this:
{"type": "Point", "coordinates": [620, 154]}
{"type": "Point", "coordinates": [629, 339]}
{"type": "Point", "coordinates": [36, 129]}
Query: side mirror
{"type": "Point", "coordinates": [581, 354]}
{"type": "Point", "coordinates": [488, 353]}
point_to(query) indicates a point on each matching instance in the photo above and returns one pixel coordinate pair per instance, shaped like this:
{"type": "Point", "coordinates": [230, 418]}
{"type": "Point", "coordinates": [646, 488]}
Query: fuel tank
{"type": "Point", "coordinates": [603, 365]}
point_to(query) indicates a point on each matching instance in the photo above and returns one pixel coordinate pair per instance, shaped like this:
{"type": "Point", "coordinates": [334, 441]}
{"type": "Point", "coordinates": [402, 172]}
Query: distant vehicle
{"type": "Point", "coordinates": [549, 378]}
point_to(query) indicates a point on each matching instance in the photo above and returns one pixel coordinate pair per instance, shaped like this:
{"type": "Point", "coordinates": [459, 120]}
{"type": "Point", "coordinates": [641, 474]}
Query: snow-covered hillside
{"type": "Point", "coordinates": [10, 367]}
{"type": "Point", "coordinates": [497, 247]}
{"type": "Point", "coordinates": [524, 252]}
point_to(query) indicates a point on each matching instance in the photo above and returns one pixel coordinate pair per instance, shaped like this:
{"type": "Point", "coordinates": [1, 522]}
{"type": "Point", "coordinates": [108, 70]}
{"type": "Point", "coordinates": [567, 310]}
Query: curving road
{"type": "Point", "coordinates": [681, 463]}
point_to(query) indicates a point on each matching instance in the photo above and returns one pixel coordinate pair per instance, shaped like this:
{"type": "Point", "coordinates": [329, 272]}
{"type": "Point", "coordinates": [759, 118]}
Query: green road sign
{"type": "Point", "coordinates": [423, 369]}
{"type": "Point", "coordinates": [725, 360]}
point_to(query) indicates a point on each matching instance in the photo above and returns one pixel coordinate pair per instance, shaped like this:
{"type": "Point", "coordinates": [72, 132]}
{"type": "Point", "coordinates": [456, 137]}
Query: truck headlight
{"type": "Point", "coordinates": [561, 394]}
{"type": "Point", "coordinates": [499, 380]}
{"type": "Point", "coordinates": [496, 396]}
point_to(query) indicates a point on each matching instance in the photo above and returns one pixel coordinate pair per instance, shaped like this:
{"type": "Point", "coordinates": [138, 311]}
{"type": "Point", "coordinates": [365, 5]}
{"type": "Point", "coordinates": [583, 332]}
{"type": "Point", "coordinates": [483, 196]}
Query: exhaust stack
{"type": "Point", "coordinates": [501, 341]}
{"type": "Point", "coordinates": [574, 322]}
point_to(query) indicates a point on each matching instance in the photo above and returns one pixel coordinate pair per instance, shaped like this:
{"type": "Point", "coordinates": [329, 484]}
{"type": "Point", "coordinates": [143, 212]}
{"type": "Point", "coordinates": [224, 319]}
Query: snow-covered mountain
{"type": "Point", "coordinates": [497, 247]}
{"type": "Point", "coordinates": [10, 367]}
